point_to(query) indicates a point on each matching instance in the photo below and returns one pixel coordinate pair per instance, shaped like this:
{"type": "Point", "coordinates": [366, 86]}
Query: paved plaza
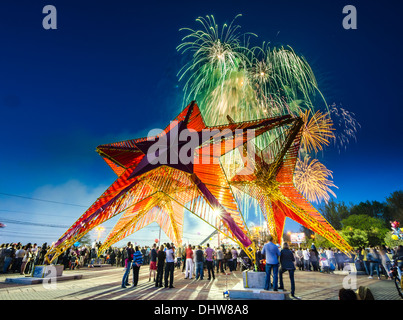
{"type": "Point", "coordinates": [104, 283]}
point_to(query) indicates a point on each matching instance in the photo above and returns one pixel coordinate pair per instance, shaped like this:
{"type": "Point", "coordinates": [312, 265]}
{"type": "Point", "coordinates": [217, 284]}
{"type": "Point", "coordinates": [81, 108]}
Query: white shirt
{"type": "Point", "coordinates": [329, 254]}
{"type": "Point", "coordinates": [20, 253]}
{"type": "Point", "coordinates": [305, 254]}
{"type": "Point", "coordinates": [169, 255]}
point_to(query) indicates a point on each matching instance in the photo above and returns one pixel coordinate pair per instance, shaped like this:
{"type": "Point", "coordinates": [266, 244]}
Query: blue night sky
{"type": "Point", "coordinates": [108, 73]}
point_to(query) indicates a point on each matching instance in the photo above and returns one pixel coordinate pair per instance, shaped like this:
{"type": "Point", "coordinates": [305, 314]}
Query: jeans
{"type": "Point", "coordinates": [169, 273]}
{"type": "Point", "coordinates": [307, 266]}
{"type": "Point", "coordinates": [199, 270]}
{"type": "Point", "coordinates": [234, 263]}
{"type": "Point", "coordinates": [7, 262]}
{"type": "Point", "coordinates": [291, 274]}
{"type": "Point", "coordinates": [269, 267]}
{"type": "Point", "coordinates": [374, 265]}
{"type": "Point", "coordinates": [220, 266]}
{"type": "Point", "coordinates": [136, 270]}
{"type": "Point", "coordinates": [230, 265]}
{"type": "Point", "coordinates": [125, 279]}
{"type": "Point", "coordinates": [210, 269]}
{"type": "Point", "coordinates": [160, 272]}
{"type": "Point", "coordinates": [367, 266]}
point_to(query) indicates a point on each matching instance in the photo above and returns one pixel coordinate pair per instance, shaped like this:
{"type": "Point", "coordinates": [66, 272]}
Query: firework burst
{"type": "Point", "coordinates": [317, 131]}
{"type": "Point", "coordinates": [346, 126]}
{"type": "Point", "coordinates": [313, 180]}
{"type": "Point", "coordinates": [215, 75]}
{"type": "Point", "coordinates": [228, 78]}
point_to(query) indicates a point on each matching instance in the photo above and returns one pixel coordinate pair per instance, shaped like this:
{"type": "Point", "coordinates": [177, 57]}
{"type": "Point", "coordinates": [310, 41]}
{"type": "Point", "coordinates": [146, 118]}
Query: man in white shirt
{"type": "Point", "coordinates": [19, 255]}
{"type": "Point", "coordinates": [306, 255]}
{"type": "Point", "coordinates": [169, 266]}
{"type": "Point", "coordinates": [330, 256]}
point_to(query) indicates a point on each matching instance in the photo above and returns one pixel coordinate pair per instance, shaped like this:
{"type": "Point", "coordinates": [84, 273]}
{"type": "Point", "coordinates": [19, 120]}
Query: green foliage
{"type": "Point", "coordinates": [373, 209]}
{"type": "Point", "coordinates": [363, 222]}
{"type": "Point", "coordinates": [390, 242]}
{"type": "Point", "coordinates": [369, 217]}
{"type": "Point", "coordinates": [86, 239]}
{"type": "Point", "coordinates": [374, 228]}
{"type": "Point", "coordinates": [395, 204]}
{"type": "Point", "coordinates": [321, 242]}
{"type": "Point", "coordinates": [335, 212]}
{"type": "Point", "coordinates": [355, 237]}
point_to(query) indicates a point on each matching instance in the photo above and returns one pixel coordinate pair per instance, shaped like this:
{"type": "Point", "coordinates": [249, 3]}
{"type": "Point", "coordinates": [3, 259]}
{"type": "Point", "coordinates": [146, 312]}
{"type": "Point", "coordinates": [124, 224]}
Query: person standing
{"type": "Point", "coordinates": [153, 262]}
{"type": "Point", "coordinates": [220, 260]}
{"type": "Point", "coordinates": [307, 266]}
{"type": "Point", "coordinates": [300, 259]}
{"type": "Point", "coordinates": [26, 259]}
{"type": "Point", "coordinates": [330, 256]}
{"type": "Point", "coordinates": [234, 258]}
{"type": "Point", "coordinates": [313, 259]}
{"type": "Point", "coordinates": [199, 263]}
{"type": "Point", "coordinates": [287, 260]}
{"type": "Point", "coordinates": [136, 264]}
{"type": "Point", "coordinates": [398, 256]}
{"type": "Point", "coordinates": [169, 266]}
{"type": "Point", "coordinates": [19, 256]}
{"type": "Point", "coordinates": [209, 253]}
{"type": "Point", "coordinates": [227, 260]}
{"type": "Point", "coordinates": [189, 262]}
{"type": "Point", "coordinates": [271, 253]}
{"type": "Point", "coordinates": [374, 262]}
{"type": "Point", "coordinates": [365, 261]}
{"type": "Point", "coordinates": [129, 251]}
{"type": "Point", "coordinates": [161, 255]}
{"type": "Point", "coordinates": [385, 261]}
{"type": "Point", "coordinates": [183, 257]}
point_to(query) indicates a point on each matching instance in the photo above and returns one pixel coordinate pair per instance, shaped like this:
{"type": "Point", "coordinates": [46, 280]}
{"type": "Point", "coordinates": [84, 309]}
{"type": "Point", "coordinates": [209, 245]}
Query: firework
{"type": "Point", "coordinates": [283, 80]}
{"type": "Point", "coordinates": [317, 131]}
{"type": "Point", "coordinates": [313, 180]}
{"type": "Point", "coordinates": [346, 126]}
{"type": "Point", "coordinates": [216, 73]}
{"type": "Point", "coordinates": [228, 78]}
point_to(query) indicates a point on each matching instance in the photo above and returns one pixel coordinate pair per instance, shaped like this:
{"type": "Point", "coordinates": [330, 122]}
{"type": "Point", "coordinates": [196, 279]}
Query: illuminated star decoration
{"type": "Point", "coordinates": [148, 189]}
{"type": "Point", "coordinates": [268, 178]}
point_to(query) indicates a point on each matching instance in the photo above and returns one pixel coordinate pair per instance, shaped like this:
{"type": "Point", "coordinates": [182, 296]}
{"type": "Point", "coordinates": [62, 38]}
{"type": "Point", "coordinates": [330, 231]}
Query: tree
{"type": "Point", "coordinates": [373, 209]}
{"type": "Point", "coordinates": [321, 242]}
{"type": "Point", "coordinates": [335, 212]}
{"type": "Point", "coordinates": [395, 205]}
{"type": "Point", "coordinates": [375, 228]}
{"type": "Point", "coordinates": [309, 235]}
{"type": "Point", "coordinates": [86, 239]}
{"type": "Point", "coordinates": [355, 237]}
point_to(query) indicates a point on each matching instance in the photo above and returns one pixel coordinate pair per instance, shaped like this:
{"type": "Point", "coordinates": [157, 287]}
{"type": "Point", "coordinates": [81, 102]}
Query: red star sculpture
{"type": "Point", "coordinates": [268, 177]}
{"type": "Point", "coordinates": [167, 173]}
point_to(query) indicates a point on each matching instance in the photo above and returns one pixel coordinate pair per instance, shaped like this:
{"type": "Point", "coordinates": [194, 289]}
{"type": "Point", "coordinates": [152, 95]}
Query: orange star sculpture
{"type": "Point", "coordinates": [268, 178]}
{"type": "Point", "coordinates": [161, 176]}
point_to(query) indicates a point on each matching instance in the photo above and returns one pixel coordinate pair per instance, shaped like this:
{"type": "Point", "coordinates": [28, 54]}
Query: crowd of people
{"type": "Point", "coordinates": [197, 261]}
{"type": "Point", "coordinates": [278, 261]}
{"type": "Point", "coordinates": [369, 260]}
{"type": "Point", "coordinates": [193, 260]}
{"type": "Point", "coordinates": [15, 257]}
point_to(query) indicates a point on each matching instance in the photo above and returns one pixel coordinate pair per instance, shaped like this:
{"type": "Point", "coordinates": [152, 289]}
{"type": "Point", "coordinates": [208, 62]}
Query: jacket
{"type": "Point", "coordinates": [137, 258]}
{"type": "Point", "coordinates": [287, 259]}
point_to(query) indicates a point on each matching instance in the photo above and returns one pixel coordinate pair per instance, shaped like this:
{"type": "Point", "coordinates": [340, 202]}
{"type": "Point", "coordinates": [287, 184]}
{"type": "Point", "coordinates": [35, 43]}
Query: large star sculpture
{"type": "Point", "coordinates": [160, 176]}
{"type": "Point", "coordinates": [268, 178]}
